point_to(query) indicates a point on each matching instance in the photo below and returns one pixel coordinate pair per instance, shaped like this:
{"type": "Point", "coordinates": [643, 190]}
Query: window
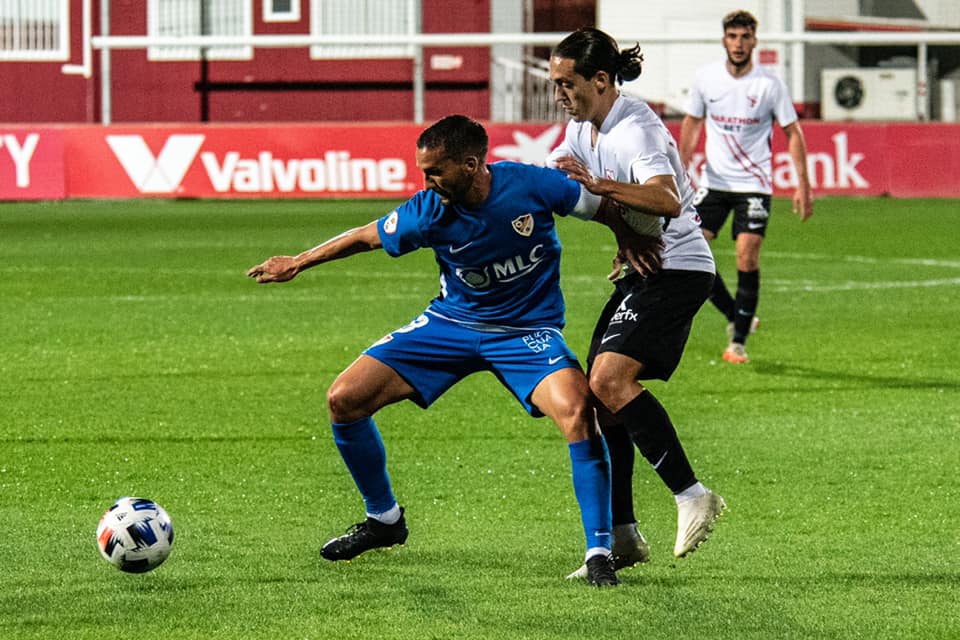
{"type": "Point", "coordinates": [194, 18]}
{"type": "Point", "coordinates": [281, 10]}
{"type": "Point", "coordinates": [34, 29]}
{"type": "Point", "coordinates": [370, 18]}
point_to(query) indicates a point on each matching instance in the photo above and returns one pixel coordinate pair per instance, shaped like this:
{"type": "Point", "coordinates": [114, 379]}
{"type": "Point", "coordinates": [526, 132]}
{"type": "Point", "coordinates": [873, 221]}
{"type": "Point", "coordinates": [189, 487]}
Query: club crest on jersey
{"type": "Point", "coordinates": [390, 224]}
{"type": "Point", "coordinates": [524, 225]}
{"type": "Point", "coordinates": [753, 100]}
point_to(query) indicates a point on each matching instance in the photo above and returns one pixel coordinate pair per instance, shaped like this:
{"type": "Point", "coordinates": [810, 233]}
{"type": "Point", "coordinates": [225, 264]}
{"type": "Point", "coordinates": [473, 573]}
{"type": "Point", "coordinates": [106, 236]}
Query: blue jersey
{"type": "Point", "coordinates": [499, 262]}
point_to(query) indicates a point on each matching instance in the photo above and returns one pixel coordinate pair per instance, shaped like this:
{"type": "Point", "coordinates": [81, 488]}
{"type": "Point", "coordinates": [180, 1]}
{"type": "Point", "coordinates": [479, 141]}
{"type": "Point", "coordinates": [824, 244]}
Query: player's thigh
{"type": "Point", "coordinates": [522, 360]}
{"type": "Point", "coordinates": [430, 355]}
{"type": "Point", "coordinates": [600, 329]}
{"type": "Point", "coordinates": [751, 214]}
{"type": "Point", "coordinates": [653, 322]}
{"type": "Point", "coordinates": [713, 208]}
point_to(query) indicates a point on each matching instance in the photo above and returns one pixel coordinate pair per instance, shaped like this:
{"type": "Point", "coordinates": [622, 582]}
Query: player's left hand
{"type": "Point", "coordinates": [803, 203]}
{"type": "Point", "coordinates": [276, 269]}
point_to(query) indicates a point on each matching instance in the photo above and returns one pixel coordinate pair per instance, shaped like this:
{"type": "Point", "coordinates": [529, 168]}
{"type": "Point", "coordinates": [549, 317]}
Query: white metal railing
{"type": "Point", "coordinates": [527, 90]}
{"type": "Point", "coordinates": [107, 43]}
{"type": "Point", "coordinates": [34, 29]}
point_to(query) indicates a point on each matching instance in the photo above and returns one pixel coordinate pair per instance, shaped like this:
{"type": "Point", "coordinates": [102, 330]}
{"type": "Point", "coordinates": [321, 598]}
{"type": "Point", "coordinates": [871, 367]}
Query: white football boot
{"type": "Point", "coordinates": [695, 520]}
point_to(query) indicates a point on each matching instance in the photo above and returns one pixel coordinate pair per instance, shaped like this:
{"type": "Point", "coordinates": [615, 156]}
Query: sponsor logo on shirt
{"type": "Point", "coordinates": [733, 119]}
{"type": "Point", "coordinates": [508, 270]}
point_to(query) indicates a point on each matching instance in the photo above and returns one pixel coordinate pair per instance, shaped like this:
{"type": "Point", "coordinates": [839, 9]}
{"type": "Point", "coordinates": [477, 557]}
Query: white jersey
{"type": "Point", "coordinates": [739, 114]}
{"type": "Point", "coordinates": [634, 145]}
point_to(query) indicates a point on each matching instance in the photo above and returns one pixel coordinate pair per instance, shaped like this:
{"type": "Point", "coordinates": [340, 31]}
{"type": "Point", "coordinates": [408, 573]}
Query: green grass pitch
{"type": "Point", "coordinates": [137, 359]}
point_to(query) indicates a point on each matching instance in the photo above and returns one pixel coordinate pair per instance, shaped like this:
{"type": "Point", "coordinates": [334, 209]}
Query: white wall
{"type": "Point", "coordinates": [506, 16]}
{"type": "Point", "coordinates": [669, 69]}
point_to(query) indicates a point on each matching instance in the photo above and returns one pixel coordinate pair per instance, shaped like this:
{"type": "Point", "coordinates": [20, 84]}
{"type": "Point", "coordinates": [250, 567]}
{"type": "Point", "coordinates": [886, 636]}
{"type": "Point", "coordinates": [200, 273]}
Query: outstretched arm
{"type": "Point", "coordinates": [797, 146]}
{"type": "Point", "coordinates": [284, 268]}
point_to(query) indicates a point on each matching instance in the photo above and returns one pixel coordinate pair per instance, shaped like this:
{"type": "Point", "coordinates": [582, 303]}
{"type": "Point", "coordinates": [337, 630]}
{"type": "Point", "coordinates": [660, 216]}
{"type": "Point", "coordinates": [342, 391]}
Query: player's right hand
{"type": "Point", "coordinates": [276, 269]}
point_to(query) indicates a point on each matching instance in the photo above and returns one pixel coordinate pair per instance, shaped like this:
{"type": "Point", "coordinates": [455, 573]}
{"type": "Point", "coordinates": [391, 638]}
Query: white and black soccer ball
{"type": "Point", "coordinates": [135, 535]}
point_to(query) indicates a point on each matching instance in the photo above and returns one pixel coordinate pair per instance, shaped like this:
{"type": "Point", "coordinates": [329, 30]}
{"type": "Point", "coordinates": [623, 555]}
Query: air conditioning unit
{"type": "Point", "coordinates": [868, 94]}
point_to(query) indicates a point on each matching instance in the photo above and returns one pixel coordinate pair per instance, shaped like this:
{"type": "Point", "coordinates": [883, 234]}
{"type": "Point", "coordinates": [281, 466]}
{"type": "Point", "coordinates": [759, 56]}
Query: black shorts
{"type": "Point", "coordinates": [649, 319]}
{"type": "Point", "coordinates": [751, 211]}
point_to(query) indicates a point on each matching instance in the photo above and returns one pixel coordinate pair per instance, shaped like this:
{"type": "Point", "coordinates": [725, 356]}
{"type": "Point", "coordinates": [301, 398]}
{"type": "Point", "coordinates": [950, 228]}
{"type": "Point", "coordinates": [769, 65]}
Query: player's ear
{"type": "Point", "coordinates": [471, 163]}
{"type": "Point", "coordinates": [601, 80]}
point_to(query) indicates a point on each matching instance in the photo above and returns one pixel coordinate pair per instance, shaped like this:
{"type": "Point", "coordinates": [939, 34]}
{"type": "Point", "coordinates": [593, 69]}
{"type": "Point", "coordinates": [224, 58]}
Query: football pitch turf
{"type": "Point", "coordinates": [137, 359]}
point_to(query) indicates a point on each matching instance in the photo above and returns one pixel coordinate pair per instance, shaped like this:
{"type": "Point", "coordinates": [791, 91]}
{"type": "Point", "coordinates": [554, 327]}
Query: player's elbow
{"type": "Point", "coordinates": [671, 205]}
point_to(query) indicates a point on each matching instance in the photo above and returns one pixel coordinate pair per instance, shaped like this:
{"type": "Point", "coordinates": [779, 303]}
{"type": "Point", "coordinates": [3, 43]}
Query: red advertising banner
{"type": "Point", "coordinates": [241, 162]}
{"type": "Point", "coordinates": [377, 160]}
{"type": "Point", "coordinates": [900, 160]}
{"type": "Point", "coordinates": [31, 164]}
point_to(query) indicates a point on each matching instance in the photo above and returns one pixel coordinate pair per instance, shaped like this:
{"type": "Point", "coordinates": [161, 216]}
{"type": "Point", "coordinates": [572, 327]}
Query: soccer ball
{"type": "Point", "coordinates": [135, 535]}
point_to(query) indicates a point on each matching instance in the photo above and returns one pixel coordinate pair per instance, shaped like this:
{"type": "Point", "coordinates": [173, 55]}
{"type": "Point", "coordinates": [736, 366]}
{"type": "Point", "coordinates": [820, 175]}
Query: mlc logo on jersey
{"type": "Point", "coordinates": [160, 174]}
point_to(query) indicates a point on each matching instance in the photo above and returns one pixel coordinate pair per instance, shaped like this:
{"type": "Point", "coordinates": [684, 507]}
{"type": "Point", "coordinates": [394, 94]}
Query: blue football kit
{"type": "Point", "coordinates": [500, 307]}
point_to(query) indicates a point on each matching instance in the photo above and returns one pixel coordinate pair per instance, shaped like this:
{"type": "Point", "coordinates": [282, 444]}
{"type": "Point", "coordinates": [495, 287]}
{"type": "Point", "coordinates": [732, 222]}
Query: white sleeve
{"type": "Point", "coordinates": [587, 205]}
{"type": "Point", "coordinates": [694, 105]}
{"type": "Point", "coordinates": [653, 160]}
{"type": "Point", "coordinates": [783, 109]}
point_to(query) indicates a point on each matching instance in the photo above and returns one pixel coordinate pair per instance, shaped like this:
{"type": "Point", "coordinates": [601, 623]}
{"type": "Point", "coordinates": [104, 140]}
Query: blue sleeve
{"type": "Point", "coordinates": [561, 193]}
{"type": "Point", "coordinates": [400, 230]}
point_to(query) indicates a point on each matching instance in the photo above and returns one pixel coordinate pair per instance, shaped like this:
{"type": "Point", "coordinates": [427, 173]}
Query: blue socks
{"type": "Point", "coordinates": [591, 484]}
{"type": "Point", "coordinates": [361, 448]}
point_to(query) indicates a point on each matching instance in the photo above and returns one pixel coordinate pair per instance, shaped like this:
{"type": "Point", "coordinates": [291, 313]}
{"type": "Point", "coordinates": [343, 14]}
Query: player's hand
{"type": "Point", "coordinates": [276, 269]}
{"type": "Point", "coordinates": [578, 171]}
{"type": "Point", "coordinates": [803, 203]}
{"type": "Point", "coordinates": [643, 253]}
{"type": "Point", "coordinates": [617, 269]}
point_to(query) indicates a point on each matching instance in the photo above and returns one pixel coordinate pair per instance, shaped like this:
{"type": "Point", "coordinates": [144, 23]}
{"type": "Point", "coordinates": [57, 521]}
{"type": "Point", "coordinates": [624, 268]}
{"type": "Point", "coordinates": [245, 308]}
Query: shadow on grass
{"type": "Point", "coordinates": [860, 380]}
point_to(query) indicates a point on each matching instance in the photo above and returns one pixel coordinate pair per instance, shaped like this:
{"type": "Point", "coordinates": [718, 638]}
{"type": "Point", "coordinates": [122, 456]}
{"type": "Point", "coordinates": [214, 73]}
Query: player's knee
{"type": "Point", "coordinates": [576, 421]}
{"type": "Point", "coordinates": [342, 403]}
{"type": "Point", "coordinates": [606, 389]}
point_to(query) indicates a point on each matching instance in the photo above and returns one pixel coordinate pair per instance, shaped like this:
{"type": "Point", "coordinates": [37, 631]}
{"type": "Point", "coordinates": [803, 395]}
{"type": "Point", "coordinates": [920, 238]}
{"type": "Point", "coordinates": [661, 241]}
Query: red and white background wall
{"type": "Point", "coordinates": [376, 160]}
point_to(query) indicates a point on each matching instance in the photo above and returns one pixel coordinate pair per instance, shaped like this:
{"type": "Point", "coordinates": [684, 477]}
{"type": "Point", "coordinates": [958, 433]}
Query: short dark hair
{"type": "Point", "coordinates": [593, 50]}
{"type": "Point", "coordinates": [739, 18]}
{"type": "Point", "coordinates": [459, 136]}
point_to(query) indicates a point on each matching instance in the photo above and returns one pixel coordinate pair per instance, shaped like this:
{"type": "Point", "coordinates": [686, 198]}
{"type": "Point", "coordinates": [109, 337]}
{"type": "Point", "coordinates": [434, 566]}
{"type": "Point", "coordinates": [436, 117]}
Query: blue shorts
{"type": "Point", "coordinates": [433, 353]}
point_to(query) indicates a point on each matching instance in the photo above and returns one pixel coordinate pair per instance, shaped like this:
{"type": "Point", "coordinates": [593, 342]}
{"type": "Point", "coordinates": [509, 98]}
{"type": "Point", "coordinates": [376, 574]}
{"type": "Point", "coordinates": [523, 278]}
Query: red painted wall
{"type": "Point", "coordinates": [321, 90]}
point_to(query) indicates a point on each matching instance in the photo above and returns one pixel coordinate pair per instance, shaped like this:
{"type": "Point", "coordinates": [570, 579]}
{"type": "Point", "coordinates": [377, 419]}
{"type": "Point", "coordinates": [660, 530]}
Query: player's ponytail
{"type": "Point", "coordinates": [593, 51]}
{"type": "Point", "coordinates": [630, 64]}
